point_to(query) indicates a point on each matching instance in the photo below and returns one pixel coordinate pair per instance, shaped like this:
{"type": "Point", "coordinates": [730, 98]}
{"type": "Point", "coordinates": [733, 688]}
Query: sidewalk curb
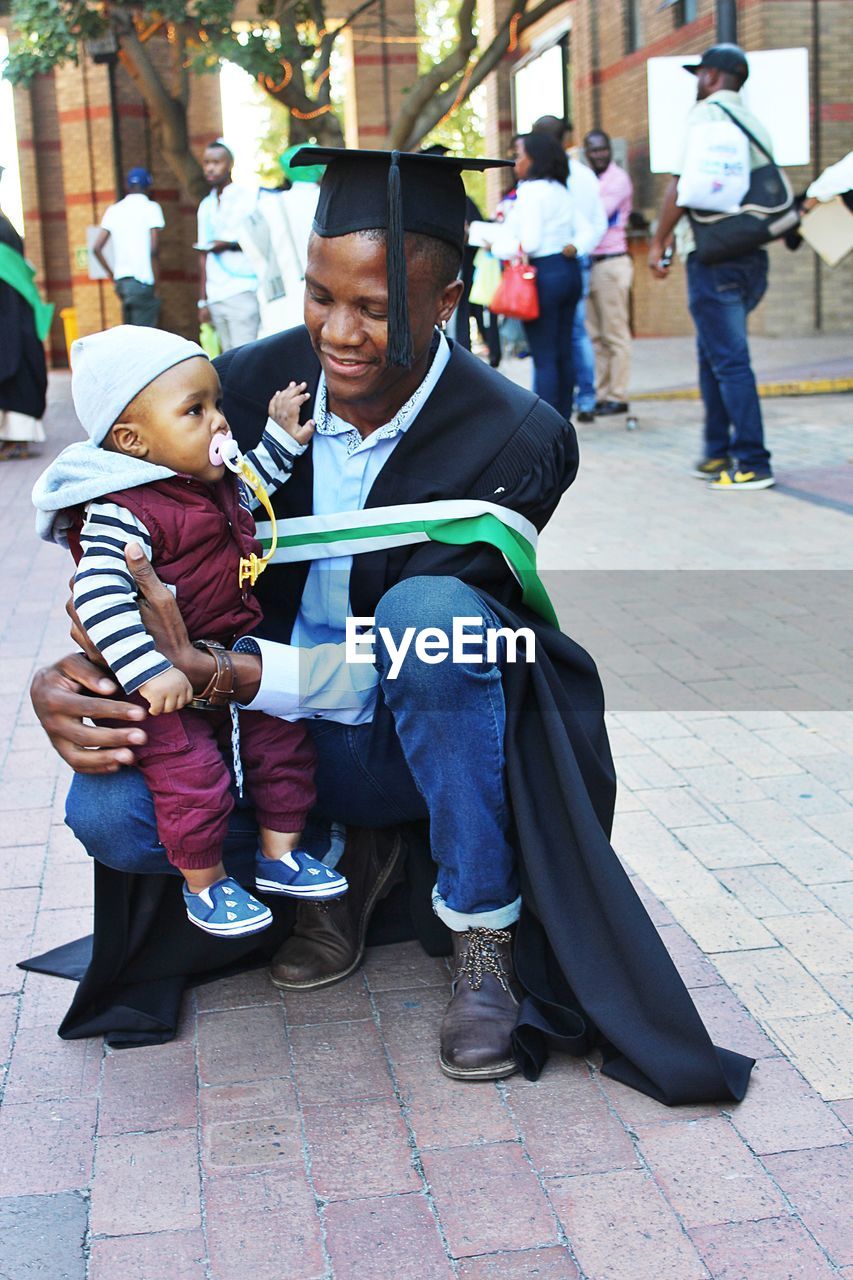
{"type": "Point", "coordinates": [805, 387]}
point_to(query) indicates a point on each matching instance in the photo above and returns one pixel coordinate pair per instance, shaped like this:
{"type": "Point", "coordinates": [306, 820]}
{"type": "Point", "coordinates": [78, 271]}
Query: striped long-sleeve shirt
{"type": "Point", "coordinates": [104, 590]}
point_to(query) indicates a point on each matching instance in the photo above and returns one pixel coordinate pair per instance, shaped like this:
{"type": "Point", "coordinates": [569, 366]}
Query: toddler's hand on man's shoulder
{"type": "Point", "coordinates": [169, 691]}
{"type": "Point", "coordinates": [284, 409]}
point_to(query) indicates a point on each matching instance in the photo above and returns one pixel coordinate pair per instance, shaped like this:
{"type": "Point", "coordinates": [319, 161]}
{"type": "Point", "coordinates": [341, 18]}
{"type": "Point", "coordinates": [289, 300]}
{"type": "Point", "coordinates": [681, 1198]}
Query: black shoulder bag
{"type": "Point", "coordinates": [768, 211]}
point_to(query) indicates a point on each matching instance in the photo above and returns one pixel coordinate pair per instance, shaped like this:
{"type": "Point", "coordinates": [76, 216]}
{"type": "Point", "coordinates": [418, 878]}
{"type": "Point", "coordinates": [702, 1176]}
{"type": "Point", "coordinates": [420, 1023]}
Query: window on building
{"type": "Point", "coordinates": [540, 85]}
{"type": "Point", "coordinates": [684, 11]}
{"type": "Point", "coordinates": [633, 25]}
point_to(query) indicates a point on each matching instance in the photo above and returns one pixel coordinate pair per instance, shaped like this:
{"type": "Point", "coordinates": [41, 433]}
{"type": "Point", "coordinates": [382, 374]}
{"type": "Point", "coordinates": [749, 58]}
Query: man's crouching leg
{"type": "Point", "coordinates": [450, 718]}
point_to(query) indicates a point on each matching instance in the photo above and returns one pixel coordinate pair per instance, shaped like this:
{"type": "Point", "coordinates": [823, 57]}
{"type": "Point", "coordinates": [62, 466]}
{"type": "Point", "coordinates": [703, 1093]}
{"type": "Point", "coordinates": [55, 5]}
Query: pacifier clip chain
{"type": "Point", "coordinates": [251, 566]}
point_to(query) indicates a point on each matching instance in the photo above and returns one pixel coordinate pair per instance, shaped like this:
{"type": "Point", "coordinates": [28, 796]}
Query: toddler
{"type": "Point", "coordinates": [152, 472]}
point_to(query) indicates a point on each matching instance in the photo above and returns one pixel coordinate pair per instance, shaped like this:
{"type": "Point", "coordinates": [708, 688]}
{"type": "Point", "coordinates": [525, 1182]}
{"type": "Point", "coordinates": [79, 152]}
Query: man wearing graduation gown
{"type": "Point", "coordinates": [508, 761]}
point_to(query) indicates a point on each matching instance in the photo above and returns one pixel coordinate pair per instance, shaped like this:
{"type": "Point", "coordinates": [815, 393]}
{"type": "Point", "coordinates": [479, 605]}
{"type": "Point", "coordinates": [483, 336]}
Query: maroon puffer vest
{"type": "Point", "coordinates": [198, 534]}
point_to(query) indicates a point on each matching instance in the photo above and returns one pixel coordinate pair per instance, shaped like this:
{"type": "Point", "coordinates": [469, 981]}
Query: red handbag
{"type": "Point", "coordinates": [517, 295]}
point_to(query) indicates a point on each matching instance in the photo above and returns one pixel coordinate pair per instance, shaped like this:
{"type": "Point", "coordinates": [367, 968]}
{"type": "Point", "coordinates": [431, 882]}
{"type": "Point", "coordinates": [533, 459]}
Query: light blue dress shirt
{"type": "Point", "coordinates": [310, 677]}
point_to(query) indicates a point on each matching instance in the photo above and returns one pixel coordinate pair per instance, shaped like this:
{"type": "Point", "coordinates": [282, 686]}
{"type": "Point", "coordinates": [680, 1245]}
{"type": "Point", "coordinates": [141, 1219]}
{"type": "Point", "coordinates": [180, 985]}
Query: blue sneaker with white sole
{"type": "Point", "coordinates": [298, 875]}
{"type": "Point", "coordinates": [227, 910]}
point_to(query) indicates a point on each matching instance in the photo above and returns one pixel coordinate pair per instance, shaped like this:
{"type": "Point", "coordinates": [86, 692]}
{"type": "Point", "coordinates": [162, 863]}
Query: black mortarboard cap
{"type": "Point", "coordinates": [394, 191]}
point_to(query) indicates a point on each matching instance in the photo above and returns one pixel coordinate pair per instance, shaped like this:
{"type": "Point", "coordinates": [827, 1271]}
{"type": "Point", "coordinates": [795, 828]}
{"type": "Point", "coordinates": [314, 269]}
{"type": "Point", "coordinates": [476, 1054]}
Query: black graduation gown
{"type": "Point", "coordinates": [23, 370]}
{"type": "Point", "coordinates": [594, 970]}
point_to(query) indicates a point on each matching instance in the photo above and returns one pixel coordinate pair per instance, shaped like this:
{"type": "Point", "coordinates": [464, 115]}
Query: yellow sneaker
{"type": "Point", "coordinates": [711, 468]}
{"type": "Point", "coordinates": [743, 480]}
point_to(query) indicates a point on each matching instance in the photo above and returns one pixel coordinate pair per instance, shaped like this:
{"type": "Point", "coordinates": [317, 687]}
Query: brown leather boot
{"type": "Point", "coordinates": [483, 1010]}
{"type": "Point", "coordinates": [327, 942]}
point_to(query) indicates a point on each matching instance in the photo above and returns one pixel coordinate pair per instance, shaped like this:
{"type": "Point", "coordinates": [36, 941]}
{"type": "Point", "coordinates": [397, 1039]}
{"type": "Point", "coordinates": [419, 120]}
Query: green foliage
{"type": "Point", "coordinates": [258, 51]}
{"type": "Point", "coordinates": [462, 130]}
{"type": "Point", "coordinates": [52, 35]}
{"type": "Point", "coordinates": [53, 30]}
{"type": "Point", "coordinates": [279, 52]}
{"type": "Point", "coordinates": [274, 141]}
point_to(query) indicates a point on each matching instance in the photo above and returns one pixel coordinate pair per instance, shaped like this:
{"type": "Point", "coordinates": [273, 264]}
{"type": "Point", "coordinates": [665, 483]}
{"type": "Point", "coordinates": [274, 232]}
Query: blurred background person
{"type": "Point", "coordinates": [24, 324]}
{"type": "Point", "coordinates": [721, 295]}
{"type": "Point", "coordinates": [275, 237]}
{"type": "Point", "coordinates": [836, 180]}
{"type": "Point", "coordinates": [543, 223]}
{"type": "Point", "coordinates": [609, 308]}
{"type": "Point", "coordinates": [132, 228]}
{"type": "Point", "coordinates": [460, 324]}
{"type": "Point", "coordinates": [583, 188]}
{"type": "Point", "coordinates": [228, 285]}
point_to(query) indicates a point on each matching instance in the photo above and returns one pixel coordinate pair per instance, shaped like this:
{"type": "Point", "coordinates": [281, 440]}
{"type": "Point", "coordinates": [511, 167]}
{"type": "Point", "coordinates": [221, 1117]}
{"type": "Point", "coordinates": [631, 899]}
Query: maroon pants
{"type": "Point", "coordinates": [183, 764]}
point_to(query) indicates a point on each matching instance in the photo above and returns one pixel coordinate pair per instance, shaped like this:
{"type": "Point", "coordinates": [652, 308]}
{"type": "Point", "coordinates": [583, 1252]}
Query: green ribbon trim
{"type": "Point", "coordinates": [514, 547]}
{"type": "Point", "coordinates": [17, 272]}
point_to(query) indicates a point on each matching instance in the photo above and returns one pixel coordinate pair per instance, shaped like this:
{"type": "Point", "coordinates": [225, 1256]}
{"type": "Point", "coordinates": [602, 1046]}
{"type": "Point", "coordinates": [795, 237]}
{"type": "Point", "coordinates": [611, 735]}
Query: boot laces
{"type": "Point", "coordinates": [482, 956]}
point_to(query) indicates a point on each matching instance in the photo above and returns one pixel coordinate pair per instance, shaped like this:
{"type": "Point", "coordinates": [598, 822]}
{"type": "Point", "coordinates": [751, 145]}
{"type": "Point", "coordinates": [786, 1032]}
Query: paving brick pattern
{"type": "Point", "coordinates": [313, 1136]}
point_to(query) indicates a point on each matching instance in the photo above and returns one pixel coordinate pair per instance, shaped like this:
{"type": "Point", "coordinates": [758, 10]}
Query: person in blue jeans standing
{"type": "Point", "coordinates": [721, 296]}
{"type": "Point", "coordinates": [582, 352]}
{"type": "Point", "coordinates": [545, 224]}
{"type": "Point", "coordinates": [583, 188]}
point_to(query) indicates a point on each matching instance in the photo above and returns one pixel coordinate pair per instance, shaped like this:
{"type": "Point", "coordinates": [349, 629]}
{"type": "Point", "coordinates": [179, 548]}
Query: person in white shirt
{"type": "Point", "coordinates": [228, 285]}
{"type": "Point", "coordinates": [275, 238]}
{"type": "Point", "coordinates": [583, 188]}
{"type": "Point", "coordinates": [132, 227]}
{"type": "Point", "coordinates": [545, 223]}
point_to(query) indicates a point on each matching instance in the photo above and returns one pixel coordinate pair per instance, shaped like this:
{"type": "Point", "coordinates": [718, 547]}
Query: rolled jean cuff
{"type": "Point", "coordinates": [460, 921]}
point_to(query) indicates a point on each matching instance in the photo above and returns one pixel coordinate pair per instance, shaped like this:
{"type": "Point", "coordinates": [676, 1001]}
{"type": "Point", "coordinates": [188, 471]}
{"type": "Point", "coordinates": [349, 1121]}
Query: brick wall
{"type": "Point", "coordinates": [378, 71]}
{"type": "Point", "coordinates": [609, 91]}
{"type": "Point", "coordinates": [39, 156]}
{"type": "Point", "coordinates": [68, 177]}
{"type": "Point", "coordinates": [498, 124]}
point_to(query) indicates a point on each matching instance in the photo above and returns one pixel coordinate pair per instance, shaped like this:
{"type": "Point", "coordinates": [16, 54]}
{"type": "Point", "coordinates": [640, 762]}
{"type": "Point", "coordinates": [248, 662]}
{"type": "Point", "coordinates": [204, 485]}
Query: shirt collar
{"type": "Point", "coordinates": [329, 424]}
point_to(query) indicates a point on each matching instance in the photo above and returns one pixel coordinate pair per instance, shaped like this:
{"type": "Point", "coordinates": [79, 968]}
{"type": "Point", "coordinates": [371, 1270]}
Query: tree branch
{"type": "Point", "coordinates": [418, 118]}
{"type": "Point", "coordinates": [168, 114]}
{"type": "Point", "coordinates": [142, 70]}
{"type": "Point", "coordinates": [348, 21]}
{"type": "Point", "coordinates": [426, 86]}
{"type": "Point", "coordinates": [180, 62]}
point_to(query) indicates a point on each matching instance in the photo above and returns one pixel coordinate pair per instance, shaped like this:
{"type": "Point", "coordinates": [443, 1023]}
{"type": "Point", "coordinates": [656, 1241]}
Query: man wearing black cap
{"type": "Point", "coordinates": [721, 296]}
{"type": "Point", "coordinates": [133, 228]}
{"type": "Point", "coordinates": [413, 512]}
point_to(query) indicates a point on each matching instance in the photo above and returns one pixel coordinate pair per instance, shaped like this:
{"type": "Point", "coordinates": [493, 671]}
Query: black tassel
{"type": "Point", "coordinates": [399, 334]}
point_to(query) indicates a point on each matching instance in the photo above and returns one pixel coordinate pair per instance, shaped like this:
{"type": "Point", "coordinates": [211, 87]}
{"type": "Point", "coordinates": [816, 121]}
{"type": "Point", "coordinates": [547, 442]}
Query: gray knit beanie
{"type": "Point", "coordinates": [109, 369]}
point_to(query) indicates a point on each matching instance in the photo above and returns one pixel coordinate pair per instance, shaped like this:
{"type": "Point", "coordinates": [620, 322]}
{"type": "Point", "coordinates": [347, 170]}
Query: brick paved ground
{"type": "Point", "coordinates": [221, 1155]}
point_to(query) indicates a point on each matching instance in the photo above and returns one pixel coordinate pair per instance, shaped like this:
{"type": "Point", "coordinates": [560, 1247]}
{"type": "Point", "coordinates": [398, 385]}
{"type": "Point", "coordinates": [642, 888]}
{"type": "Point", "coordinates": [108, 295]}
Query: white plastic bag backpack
{"type": "Point", "coordinates": [715, 175]}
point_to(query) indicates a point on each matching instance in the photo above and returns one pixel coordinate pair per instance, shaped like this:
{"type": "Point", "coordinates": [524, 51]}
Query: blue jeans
{"type": "Point", "coordinates": [558, 281]}
{"type": "Point", "coordinates": [720, 298]}
{"type": "Point", "coordinates": [583, 355]}
{"type": "Point", "coordinates": [444, 761]}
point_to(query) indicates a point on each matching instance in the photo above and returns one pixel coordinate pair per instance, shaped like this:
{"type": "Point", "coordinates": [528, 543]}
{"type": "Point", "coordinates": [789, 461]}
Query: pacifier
{"type": "Point", "coordinates": [224, 450]}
